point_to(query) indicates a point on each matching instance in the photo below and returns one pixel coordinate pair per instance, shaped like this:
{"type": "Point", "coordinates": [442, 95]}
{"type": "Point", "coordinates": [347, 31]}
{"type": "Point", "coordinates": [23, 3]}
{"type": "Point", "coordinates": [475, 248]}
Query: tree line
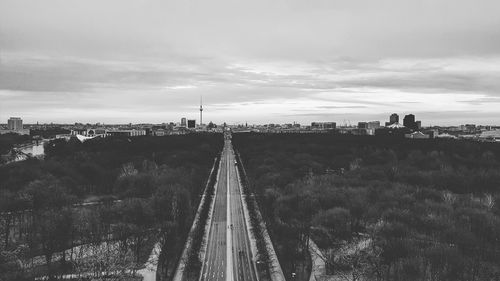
{"type": "Point", "coordinates": [95, 209]}
{"type": "Point", "coordinates": [381, 208]}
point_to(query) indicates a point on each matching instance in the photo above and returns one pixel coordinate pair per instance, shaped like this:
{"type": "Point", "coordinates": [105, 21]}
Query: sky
{"type": "Point", "coordinates": [258, 61]}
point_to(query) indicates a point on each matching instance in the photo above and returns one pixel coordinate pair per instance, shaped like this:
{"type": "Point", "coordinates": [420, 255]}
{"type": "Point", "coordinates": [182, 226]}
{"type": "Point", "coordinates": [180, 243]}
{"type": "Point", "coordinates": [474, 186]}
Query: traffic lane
{"type": "Point", "coordinates": [246, 255]}
{"type": "Point", "coordinates": [241, 252]}
{"type": "Point", "coordinates": [220, 257]}
{"type": "Point", "coordinates": [214, 269]}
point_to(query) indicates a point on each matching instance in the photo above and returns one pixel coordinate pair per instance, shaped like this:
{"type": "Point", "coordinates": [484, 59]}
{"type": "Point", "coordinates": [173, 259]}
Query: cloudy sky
{"type": "Point", "coordinates": [258, 61]}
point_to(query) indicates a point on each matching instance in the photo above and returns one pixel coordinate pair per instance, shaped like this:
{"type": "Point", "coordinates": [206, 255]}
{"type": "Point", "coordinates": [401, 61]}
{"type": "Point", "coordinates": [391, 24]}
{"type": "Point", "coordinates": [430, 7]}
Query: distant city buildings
{"type": "Point", "coordinates": [394, 118]}
{"type": "Point", "coordinates": [126, 133]}
{"type": "Point", "coordinates": [468, 128]}
{"type": "Point", "coordinates": [374, 125]}
{"type": "Point", "coordinates": [15, 126]}
{"type": "Point", "coordinates": [410, 123]}
{"type": "Point", "coordinates": [15, 123]}
{"type": "Point", "coordinates": [493, 136]}
{"type": "Point", "coordinates": [88, 133]}
{"type": "Point", "coordinates": [367, 128]}
{"type": "Point", "coordinates": [417, 135]}
{"type": "Point", "coordinates": [323, 125]}
{"type": "Point", "coordinates": [362, 125]}
{"type": "Point", "coordinates": [410, 128]}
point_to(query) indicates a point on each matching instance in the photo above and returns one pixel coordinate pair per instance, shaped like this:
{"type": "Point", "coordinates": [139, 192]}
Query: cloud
{"type": "Point", "coordinates": [250, 60]}
{"type": "Point", "coordinates": [307, 88]}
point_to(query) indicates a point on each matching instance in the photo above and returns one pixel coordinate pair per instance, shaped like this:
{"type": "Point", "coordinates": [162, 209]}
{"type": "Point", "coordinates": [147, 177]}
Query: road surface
{"type": "Point", "coordinates": [228, 255]}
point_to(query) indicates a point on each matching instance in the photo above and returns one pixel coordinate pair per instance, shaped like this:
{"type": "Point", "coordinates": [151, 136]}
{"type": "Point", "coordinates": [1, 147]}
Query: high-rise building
{"type": "Point", "coordinates": [362, 125]}
{"type": "Point", "coordinates": [409, 122]}
{"type": "Point", "coordinates": [374, 125]}
{"type": "Point", "coordinates": [191, 124]}
{"type": "Point", "coordinates": [183, 122]}
{"type": "Point", "coordinates": [394, 118]}
{"type": "Point", "coordinates": [15, 123]}
{"type": "Point", "coordinates": [323, 125]}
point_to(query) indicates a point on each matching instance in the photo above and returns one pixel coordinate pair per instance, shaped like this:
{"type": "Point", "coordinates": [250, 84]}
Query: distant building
{"type": "Point", "coordinates": [374, 125]}
{"type": "Point", "coordinates": [126, 133]}
{"type": "Point", "coordinates": [183, 122]}
{"type": "Point", "coordinates": [432, 133]}
{"type": "Point", "coordinates": [409, 121]}
{"type": "Point", "coordinates": [395, 129]}
{"type": "Point", "coordinates": [417, 135]}
{"type": "Point", "coordinates": [369, 125]}
{"type": "Point", "coordinates": [394, 118]}
{"type": "Point", "coordinates": [79, 131]}
{"type": "Point", "coordinates": [89, 132]}
{"type": "Point", "coordinates": [418, 124]}
{"type": "Point", "coordinates": [160, 132]}
{"type": "Point", "coordinates": [445, 136]}
{"type": "Point", "coordinates": [396, 126]}
{"type": "Point", "coordinates": [101, 132]}
{"type": "Point", "coordinates": [493, 135]}
{"type": "Point", "coordinates": [96, 132]}
{"type": "Point", "coordinates": [191, 124]}
{"type": "Point", "coordinates": [362, 125]}
{"type": "Point", "coordinates": [211, 125]}
{"type": "Point", "coordinates": [367, 128]}
{"type": "Point", "coordinates": [15, 123]}
{"type": "Point", "coordinates": [15, 126]}
{"type": "Point", "coordinates": [323, 125]}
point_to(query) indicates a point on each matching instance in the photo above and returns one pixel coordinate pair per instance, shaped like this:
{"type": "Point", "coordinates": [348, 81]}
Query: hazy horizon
{"type": "Point", "coordinates": [258, 62]}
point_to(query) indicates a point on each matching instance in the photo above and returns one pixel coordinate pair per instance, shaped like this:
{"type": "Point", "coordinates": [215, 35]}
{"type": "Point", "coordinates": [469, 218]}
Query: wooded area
{"type": "Point", "coordinates": [7, 142]}
{"type": "Point", "coordinates": [97, 208]}
{"type": "Point", "coordinates": [381, 208]}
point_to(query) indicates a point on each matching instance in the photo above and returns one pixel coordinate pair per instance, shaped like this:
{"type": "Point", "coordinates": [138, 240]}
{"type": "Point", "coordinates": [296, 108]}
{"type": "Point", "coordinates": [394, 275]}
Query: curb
{"type": "Point", "coordinates": [179, 272]}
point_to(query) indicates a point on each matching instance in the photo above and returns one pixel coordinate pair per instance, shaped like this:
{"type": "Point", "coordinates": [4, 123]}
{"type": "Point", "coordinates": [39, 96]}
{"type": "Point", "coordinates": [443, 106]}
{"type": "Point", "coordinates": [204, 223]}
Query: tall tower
{"type": "Point", "coordinates": [15, 123]}
{"type": "Point", "coordinates": [394, 118]}
{"type": "Point", "coordinates": [201, 110]}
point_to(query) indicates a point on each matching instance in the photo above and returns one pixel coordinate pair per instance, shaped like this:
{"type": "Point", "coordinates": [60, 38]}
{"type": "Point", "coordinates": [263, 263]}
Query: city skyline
{"type": "Point", "coordinates": [303, 61]}
{"type": "Point", "coordinates": [340, 122]}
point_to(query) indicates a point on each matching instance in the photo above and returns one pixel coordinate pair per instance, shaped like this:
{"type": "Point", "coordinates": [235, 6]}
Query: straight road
{"type": "Point", "coordinates": [228, 255]}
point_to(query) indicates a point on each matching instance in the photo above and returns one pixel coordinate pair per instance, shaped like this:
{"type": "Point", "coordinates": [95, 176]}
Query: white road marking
{"type": "Point", "coordinates": [229, 256]}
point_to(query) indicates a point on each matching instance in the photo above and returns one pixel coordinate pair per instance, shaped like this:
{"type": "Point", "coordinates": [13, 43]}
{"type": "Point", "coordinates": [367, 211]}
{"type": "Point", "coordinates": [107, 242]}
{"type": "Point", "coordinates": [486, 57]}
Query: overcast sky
{"type": "Point", "coordinates": [255, 61]}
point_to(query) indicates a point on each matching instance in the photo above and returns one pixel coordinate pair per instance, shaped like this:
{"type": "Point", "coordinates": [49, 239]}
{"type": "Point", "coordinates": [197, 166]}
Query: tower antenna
{"type": "Point", "coordinates": [201, 110]}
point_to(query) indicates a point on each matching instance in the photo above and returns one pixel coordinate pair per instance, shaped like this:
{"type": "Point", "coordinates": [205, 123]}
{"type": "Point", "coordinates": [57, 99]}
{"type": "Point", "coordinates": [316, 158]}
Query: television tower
{"type": "Point", "coordinates": [201, 110]}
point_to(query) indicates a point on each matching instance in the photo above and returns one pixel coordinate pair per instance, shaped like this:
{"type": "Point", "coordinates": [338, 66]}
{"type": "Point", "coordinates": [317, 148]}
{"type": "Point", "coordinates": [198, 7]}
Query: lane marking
{"type": "Point", "coordinates": [249, 264]}
{"type": "Point", "coordinates": [229, 256]}
{"type": "Point", "coordinates": [212, 237]}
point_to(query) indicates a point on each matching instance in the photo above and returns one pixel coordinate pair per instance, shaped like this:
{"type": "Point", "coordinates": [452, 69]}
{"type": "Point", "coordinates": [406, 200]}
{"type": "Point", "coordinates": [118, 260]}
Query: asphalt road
{"type": "Point", "coordinates": [228, 251]}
